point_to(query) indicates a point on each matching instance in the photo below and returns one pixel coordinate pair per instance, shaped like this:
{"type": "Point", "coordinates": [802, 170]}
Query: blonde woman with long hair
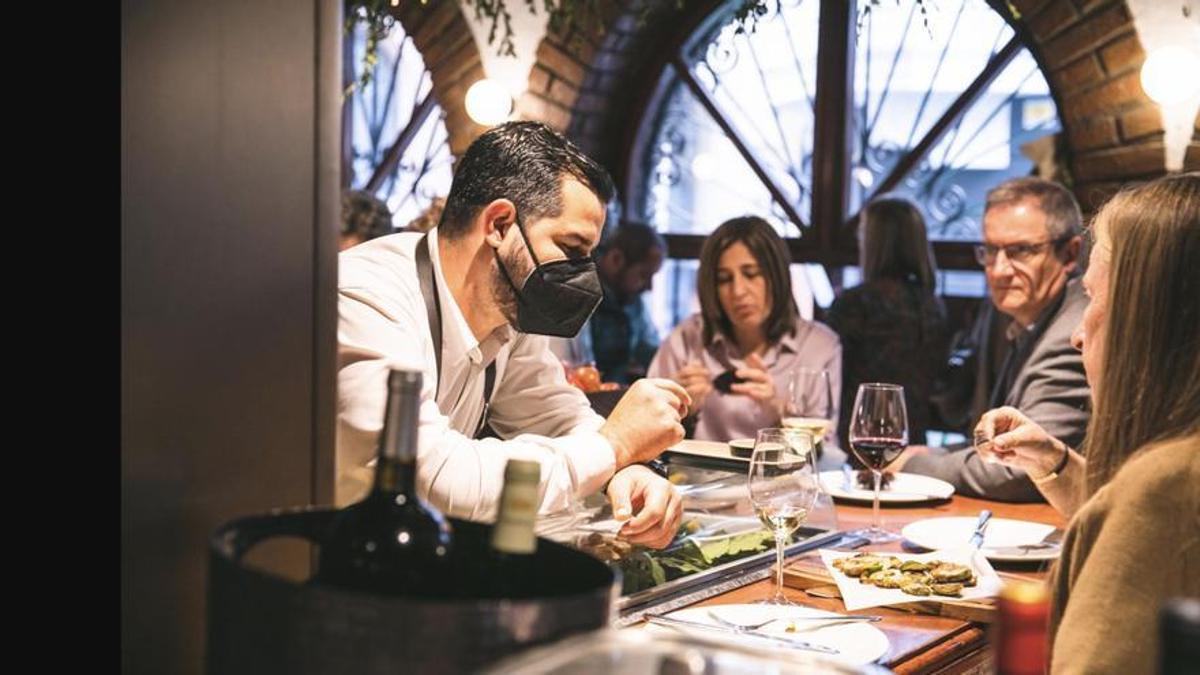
{"type": "Point", "coordinates": [1134, 538]}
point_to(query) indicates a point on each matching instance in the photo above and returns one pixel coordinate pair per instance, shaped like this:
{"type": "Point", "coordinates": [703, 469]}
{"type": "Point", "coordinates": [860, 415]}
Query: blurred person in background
{"type": "Point", "coordinates": [893, 325]}
{"type": "Point", "coordinates": [364, 217]}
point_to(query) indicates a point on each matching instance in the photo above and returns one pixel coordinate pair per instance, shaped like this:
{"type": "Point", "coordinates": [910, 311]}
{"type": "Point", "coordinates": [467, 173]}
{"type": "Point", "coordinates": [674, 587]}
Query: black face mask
{"type": "Point", "coordinates": [558, 296]}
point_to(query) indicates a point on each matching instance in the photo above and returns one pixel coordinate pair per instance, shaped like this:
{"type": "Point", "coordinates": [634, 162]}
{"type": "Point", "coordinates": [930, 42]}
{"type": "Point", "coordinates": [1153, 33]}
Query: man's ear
{"type": "Point", "coordinates": [1070, 252]}
{"type": "Point", "coordinates": [495, 219]}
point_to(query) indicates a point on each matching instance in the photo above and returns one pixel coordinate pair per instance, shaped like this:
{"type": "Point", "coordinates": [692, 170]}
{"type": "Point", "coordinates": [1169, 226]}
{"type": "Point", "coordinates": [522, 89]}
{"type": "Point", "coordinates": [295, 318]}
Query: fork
{"type": "Point", "coordinates": [823, 619]}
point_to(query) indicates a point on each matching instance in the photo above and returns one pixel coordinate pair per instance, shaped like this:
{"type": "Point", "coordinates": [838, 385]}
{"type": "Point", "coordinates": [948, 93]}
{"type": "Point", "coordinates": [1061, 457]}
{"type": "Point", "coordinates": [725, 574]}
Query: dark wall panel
{"type": "Point", "coordinates": [227, 258]}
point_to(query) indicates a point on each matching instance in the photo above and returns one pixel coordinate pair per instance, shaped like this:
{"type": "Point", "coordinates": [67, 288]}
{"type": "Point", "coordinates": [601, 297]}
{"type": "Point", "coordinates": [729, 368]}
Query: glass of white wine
{"type": "Point", "coordinates": [783, 487]}
{"type": "Point", "coordinates": [809, 404]}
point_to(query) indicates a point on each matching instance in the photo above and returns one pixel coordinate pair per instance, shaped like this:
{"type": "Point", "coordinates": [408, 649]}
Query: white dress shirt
{"type": "Point", "coordinates": [383, 324]}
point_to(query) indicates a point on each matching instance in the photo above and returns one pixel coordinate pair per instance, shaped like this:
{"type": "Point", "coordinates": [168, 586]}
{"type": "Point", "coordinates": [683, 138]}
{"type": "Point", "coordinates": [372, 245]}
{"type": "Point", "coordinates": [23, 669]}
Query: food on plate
{"type": "Point", "coordinates": [914, 577]}
{"type": "Point", "coordinates": [866, 480]}
{"type": "Point", "coordinates": [865, 563]}
{"type": "Point", "coordinates": [948, 572]}
{"type": "Point", "coordinates": [888, 578]}
{"type": "Point", "coordinates": [952, 590]}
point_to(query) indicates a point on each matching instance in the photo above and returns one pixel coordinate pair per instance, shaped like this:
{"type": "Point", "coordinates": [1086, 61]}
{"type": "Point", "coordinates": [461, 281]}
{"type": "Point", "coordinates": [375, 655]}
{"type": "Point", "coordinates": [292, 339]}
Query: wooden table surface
{"type": "Point", "coordinates": [919, 643]}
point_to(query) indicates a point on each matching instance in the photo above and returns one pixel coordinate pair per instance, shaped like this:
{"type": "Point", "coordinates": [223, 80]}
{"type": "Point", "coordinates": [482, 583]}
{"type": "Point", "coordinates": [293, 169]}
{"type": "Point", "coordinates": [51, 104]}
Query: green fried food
{"type": "Point", "coordinates": [914, 577]}
{"type": "Point", "coordinates": [889, 578]}
{"type": "Point", "coordinates": [950, 572]}
{"type": "Point", "coordinates": [952, 590]}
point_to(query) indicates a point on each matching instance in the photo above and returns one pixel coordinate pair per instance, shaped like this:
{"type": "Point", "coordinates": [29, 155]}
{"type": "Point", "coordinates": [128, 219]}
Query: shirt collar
{"type": "Point", "coordinates": [457, 338]}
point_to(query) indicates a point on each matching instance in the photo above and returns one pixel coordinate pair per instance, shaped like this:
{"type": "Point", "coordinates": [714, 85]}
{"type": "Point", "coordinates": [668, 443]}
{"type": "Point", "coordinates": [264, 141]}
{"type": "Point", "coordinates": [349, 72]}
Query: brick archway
{"type": "Point", "coordinates": [442, 36]}
{"type": "Point", "coordinates": [596, 87]}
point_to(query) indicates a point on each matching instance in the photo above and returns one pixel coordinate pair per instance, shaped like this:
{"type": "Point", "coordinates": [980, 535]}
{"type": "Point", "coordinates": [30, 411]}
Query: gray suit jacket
{"type": "Point", "coordinates": [1048, 386]}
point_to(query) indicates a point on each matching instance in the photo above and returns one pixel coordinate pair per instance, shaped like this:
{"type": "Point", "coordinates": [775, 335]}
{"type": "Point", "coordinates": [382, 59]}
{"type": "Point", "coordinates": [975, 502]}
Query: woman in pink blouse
{"type": "Point", "coordinates": [748, 324]}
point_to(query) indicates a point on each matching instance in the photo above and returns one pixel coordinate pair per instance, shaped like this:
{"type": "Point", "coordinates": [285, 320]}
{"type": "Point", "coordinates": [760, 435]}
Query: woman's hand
{"type": "Point", "coordinates": [697, 382]}
{"type": "Point", "coordinates": [757, 383]}
{"type": "Point", "coordinates": [1007, 436]}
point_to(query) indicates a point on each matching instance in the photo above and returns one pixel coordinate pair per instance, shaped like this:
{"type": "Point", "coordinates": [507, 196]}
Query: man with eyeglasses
{"type": "Point", "coordinates": [1030, 255]}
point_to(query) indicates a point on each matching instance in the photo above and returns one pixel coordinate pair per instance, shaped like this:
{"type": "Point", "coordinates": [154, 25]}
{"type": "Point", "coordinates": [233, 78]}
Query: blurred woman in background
{"type": "Point", "coordinates": [893, 327]}
{"type": "Point", "coordinates": [736, 356]}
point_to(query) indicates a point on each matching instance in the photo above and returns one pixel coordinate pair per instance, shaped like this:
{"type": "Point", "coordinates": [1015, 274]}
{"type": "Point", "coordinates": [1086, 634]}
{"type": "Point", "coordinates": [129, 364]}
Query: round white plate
{"type": "Point", "coordinates": [905, 488]}
{"type": "Point", "coordinates": [857, 643]}
{"type": "Point", "coordinates": [939, 533]}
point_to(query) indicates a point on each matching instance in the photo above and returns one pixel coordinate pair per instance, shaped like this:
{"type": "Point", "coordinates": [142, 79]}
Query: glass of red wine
{"type": "Point", "coordinates": [878, 434]}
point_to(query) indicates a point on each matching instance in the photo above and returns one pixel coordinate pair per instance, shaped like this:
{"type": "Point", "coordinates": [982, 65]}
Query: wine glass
{"type": "Point", "coordinates": [809, 405]}
{"type": "Point", "coordinates": [878, 434]}
{"type": "Point", "coordinates": [783, 486]}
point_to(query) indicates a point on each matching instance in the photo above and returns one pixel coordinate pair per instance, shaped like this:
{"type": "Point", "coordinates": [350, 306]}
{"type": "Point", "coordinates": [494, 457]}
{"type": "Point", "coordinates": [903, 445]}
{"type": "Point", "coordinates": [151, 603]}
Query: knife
{"type": "Point", "coordinates": [1053, 540]}
{"type": "Point", "coordinates": [684, 623]}
{"type": "Point", "coordinates": [981, 525]}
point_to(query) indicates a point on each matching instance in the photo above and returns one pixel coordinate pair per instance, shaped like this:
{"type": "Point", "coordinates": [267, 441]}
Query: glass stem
{"type": "Point", "coordinates": [779, 543]}
{"type": "Point", "coordinates": [878, 476]}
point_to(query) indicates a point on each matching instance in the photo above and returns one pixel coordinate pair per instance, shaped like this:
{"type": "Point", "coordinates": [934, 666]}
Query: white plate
{"type": "Point", "coordinates": [904, 488]}
{"type": "Point", "coordinates": [937, 533]}
{"type": "Point", "coordinates": [858, 643]}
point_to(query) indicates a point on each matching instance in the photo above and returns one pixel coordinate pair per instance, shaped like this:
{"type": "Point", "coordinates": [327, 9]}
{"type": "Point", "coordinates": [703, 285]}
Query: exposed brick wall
{"type": "Point", "coordinates": [1093, 59]}
{"type": "Point", "coordinates": [440, 32]}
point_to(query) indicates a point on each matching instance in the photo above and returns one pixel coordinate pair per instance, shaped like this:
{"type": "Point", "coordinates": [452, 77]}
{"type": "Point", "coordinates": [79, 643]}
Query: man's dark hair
{"type": "Point", "coordinates": [523, 162]}
{"type": "Point", "coordinates": [634, 240]}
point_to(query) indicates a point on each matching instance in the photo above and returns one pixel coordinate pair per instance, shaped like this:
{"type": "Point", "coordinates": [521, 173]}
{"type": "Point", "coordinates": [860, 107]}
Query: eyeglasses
{"type": "Point", "coordinates": [985, 254]}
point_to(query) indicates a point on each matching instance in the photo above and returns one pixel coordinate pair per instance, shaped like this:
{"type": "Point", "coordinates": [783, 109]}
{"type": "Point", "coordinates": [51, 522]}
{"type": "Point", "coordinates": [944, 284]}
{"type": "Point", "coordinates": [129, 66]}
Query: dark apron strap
{"type": "Point", "coordinates": [433, 310]}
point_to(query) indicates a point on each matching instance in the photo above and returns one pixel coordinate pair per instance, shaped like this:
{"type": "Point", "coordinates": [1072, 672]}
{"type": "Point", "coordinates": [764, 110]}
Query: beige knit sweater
{"type": "Point", "coordinates": [1134, 544]}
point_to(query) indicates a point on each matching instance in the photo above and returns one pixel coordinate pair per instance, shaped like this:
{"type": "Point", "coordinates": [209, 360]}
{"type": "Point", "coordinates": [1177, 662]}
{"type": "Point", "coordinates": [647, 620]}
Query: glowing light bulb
{"type": "Point", "coordinates": [1171, 74]}
{"type": "Point", "coordinates": [488, 102]}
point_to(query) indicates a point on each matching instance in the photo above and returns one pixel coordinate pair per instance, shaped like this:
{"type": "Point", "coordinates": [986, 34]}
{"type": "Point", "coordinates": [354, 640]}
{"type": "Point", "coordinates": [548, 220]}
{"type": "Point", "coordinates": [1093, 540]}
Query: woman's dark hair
{"type": "Point", "coordinates": [892, 243]}
{"type": "Point", "coordinates": [771, 254]}
{"type": "Point", "coordinates": [525, 163]}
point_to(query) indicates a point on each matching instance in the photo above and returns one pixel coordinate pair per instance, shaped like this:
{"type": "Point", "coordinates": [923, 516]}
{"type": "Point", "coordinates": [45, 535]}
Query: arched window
{"type": "Point", "coordinates": [818, 110]}
{"type": "Point", "coordinates": [400, 147]}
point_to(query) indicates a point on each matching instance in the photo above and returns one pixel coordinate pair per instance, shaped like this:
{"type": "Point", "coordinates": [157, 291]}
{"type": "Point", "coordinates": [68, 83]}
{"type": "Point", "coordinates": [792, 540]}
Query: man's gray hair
{"type": "Point", "coordinates": [1063, 218]}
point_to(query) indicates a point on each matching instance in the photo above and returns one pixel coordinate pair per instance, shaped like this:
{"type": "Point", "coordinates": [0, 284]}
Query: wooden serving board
{"type": "Point", "coordinates": [815, 580]}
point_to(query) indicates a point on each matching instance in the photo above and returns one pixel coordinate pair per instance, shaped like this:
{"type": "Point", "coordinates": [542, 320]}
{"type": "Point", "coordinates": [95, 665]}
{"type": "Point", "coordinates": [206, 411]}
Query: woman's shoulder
{"type": "Point", "coordinates": [815, 333]}
{"type": "Point", "coordinates": [688, 331]}
{"type": "Point", "coordinates": [1175, 459]}
{"type": "Point", "coordinates": [1164, 470]}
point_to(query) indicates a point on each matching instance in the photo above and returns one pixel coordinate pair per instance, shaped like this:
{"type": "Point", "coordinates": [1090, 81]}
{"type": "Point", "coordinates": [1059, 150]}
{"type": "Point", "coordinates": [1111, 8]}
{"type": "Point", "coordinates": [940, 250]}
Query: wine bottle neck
{"type": "Point", "coordinates": [513, 532]}
{"type": "Point", "coordinates": [394, 476]}
{"type": "Point", "coordinates": [395, 466]}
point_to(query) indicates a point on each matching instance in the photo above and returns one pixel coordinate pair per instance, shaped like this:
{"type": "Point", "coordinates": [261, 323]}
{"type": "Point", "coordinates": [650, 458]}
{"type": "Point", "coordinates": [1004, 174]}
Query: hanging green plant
{"type": "Point", "coordinates": [576, 17]}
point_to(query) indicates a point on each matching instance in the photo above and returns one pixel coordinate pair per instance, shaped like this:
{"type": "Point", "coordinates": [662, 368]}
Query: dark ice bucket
{"type": "Point", "coordinates": [261, 623]}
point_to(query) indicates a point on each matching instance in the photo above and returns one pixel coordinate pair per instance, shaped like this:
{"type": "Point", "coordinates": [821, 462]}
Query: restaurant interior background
{"type": "Point", "coordinates": [236, 144]}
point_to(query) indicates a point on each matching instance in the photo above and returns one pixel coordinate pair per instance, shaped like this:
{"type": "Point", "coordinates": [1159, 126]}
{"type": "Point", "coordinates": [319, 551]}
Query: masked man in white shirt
{"type": "Point", "coordinates": [468, 304]}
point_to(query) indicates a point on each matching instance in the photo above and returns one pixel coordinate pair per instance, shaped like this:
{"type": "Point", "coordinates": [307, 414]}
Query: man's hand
{"type": "Point", "coordinates": [646, 420]}
{"type": "Point", "coordinates": [1007, 436]}
{"type": "Point", "coordinates": [696, 381]}
{"type": "Point", "coordinates": [652, 501]}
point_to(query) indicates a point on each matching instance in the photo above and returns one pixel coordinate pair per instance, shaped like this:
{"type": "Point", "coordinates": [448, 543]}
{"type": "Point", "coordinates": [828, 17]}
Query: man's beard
{"type": "Point", "coordinates": [502, 292]}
